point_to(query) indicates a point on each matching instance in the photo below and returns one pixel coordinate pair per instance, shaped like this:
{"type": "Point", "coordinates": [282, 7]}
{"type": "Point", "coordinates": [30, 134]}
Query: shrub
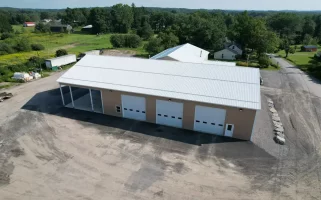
{"type": "Point", "coordinates": [42, 28]}
{"type": "Point", "coordinates": [61, 52]}
{"type": "Point", "coordinates": [37, 62]}
{"type": "Point", "coordinates": [5, 49]}
{"type": "Point", "coordinates": [37, 47]}
{"type": "Point", "coordinates": [130, 41]}
{"type": "Point", "coordinates": [264, 61]}
{"type": "Point", "coordinates": [22, 44]}
{"type": "Point", "coordinates": [118, 41]}
{"type": "Point", "coordinates": [6, 35]}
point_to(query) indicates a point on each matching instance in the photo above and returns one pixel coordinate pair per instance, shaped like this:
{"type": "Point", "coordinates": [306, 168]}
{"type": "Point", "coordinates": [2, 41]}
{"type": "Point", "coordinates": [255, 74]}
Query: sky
{"type": "Point", "coordinates": [194, 4]}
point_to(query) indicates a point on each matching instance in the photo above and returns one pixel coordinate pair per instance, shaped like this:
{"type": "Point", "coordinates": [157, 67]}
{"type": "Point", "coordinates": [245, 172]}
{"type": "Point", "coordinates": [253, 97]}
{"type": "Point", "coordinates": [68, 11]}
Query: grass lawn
{"type": "Point", "coordinates": [74, 43]}
{"type": "Point", "coordinates": [300, 59]}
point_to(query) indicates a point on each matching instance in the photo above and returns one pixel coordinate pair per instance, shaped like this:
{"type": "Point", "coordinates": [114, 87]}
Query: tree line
{"type": "Point", "coordinates": [260, 32]}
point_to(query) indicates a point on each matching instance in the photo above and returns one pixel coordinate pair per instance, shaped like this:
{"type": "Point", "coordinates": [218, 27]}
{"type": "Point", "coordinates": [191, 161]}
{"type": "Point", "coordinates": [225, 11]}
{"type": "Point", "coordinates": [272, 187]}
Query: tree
{"type": "Point", "coordinates": [42, 28]}
{"type": "Point", "coordinates": [145, 31]}
{"type": "Point", "coordinates": [22, 44]}
{"type": "Point", "coordinates": [4, 24]}
{"type": "Point", "coordinates": [308, 26]}
{"type": "Point", "coordinates": [285, 45]}
{"type": "Point", "coordinates": [6, 35]}
{"type": "Point", "coordinates": [122, 18]}
{"type": "Point", "coordinates": [292, 50]}
{"type": "Point", "coordinates": [61, 52]}
{"type": "Point", "coordinates": [168, 40]}
{"type": "Point", "coordinates": [307, 39]}
{"type": "Point", "coordinates": [154, 46]}
{"type": "Point", "coordinates": [37, 47]}
{"type": "Point", "coordinates": [45, 15]}
{"type": "Point", "coordinates": [264, 61]}
{"type": "Point", "coordinates": [100, 19]}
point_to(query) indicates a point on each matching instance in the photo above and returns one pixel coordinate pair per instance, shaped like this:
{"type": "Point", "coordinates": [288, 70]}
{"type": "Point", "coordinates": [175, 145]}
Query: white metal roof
{"type": "Point", "coordinates": [189, 53]}
{"type": "Point", "coordinates": [230, 86]}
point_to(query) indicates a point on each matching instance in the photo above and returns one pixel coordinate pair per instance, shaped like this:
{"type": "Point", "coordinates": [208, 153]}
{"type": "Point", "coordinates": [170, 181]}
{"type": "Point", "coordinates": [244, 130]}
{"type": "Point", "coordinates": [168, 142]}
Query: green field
{"type": "Point", "coordinates": [74, 43]}
{"type": "Point", "coordinates": [300, 59]}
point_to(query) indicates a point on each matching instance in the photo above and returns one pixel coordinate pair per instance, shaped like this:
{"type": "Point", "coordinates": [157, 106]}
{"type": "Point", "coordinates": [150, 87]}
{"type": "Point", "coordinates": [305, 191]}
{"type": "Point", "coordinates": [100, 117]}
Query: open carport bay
{"type": "Point", "coordinates": [82, 98]}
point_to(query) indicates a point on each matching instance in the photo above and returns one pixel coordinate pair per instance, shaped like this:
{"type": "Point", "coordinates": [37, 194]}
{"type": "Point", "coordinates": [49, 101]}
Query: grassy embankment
{"type": "Point", "coordinates": [301, 59]}
{"type": "Point", "coordinates": [74, 43]}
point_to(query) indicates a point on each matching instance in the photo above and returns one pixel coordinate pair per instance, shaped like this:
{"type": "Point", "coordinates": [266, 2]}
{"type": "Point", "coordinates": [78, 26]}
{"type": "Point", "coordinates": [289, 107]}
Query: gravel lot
{"type": "Point", "coordinates": [51, 152]}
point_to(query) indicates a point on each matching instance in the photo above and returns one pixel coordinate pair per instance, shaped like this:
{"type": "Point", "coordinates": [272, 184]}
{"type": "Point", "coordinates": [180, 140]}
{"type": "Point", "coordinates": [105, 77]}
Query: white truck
{"type": "Point", "coordinates": [61, 61]}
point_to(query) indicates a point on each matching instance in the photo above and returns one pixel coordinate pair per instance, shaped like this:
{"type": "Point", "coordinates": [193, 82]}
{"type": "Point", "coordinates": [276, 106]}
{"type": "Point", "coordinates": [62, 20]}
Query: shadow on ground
{"type": "Point", "coordinates": [50, 102]}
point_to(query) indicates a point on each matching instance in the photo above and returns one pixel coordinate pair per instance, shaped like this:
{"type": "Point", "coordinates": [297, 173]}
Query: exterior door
{"type": "Point", "coordinates": [169, 113]}
{"type": "Point", "coordinates": [209, 120]}
{"type": "Point", "coordinates": [229, 130]}
{"type": "Point", "coordinates": [134, 107]}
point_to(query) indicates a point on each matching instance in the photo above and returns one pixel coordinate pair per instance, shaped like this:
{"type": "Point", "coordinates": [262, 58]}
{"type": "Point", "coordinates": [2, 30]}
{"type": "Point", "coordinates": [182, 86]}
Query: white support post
{"type": "Point", "coordinates": [62, 96]}
{"type": "Point", "coordinates": [102, 103]}
{"type": "Point", "coordinates": [253, 126]}
{"type": "Point", "coordinates": [91, 100]}
{"type": "Point", "coordinates": [72, 99]}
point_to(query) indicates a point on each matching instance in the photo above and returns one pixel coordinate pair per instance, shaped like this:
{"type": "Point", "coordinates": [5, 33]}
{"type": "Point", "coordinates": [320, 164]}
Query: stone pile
{"type": "Point", "coordinates": [278, 126]}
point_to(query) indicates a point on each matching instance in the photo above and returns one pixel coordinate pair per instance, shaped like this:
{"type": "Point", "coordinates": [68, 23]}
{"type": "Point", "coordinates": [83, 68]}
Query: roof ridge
{"type": "Point", "coordinates": [169, 74]}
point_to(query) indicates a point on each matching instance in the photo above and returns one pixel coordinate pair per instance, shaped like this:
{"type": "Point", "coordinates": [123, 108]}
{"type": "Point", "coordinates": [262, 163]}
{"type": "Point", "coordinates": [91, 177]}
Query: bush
{"type": "Point", "coordinates": [5, 49]}
{"type": "Point", "coordinates": [130, 41]}
{"type": "Point", "coordinates": [6, 35]}
{"type": "Point", "coordinates": [22, 44]}
{"type": "Point", "coordinates": [61, 52]}
{"type": "Point", "coordinates": [264, 61]}
{"type": "Point", "coordinates": [37, 47]}
{"type": "Point", "coordinates": [42, 28]}
{"type": "Point", "coordinates": [154, 46]}
{"type": "Point", "coordinates": [36, 62]}
{"type": "Point", "coordinates": [118, 41]}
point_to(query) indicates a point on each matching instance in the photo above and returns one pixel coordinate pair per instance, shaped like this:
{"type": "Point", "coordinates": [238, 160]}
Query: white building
{"type": "Point", "coordinates": [190, 54]}
{"type": "Point", "coordinates": [230, 52]}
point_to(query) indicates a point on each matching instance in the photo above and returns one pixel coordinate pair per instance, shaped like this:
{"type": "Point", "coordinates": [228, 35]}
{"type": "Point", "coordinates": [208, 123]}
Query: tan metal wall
{"type": "Point", "coordinates": [243, 120]}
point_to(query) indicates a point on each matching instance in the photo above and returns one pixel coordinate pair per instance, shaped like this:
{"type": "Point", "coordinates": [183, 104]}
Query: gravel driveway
{"type": "Point", "coordinates": [51, 152]}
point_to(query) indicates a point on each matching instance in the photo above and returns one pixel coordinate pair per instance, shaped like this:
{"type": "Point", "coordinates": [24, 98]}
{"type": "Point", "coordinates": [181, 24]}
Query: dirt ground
{"type": "Point", "coordinates": [121, 53]}
{"type": "Point", "coordinates": [51, 152]}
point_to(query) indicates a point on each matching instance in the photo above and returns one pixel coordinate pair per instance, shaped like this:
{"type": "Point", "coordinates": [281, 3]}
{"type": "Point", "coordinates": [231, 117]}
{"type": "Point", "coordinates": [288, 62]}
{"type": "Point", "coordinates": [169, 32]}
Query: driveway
{"type": "Point", "coordinates": [51, 152]}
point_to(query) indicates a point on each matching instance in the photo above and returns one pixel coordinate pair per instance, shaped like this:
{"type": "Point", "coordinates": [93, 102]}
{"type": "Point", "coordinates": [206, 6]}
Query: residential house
{"type": "Point", "coordinates": [309, 48]}
{"type": "Point", "coordinates": [29, 24]}
{"type": "Point", "coordinates": [230, 52]}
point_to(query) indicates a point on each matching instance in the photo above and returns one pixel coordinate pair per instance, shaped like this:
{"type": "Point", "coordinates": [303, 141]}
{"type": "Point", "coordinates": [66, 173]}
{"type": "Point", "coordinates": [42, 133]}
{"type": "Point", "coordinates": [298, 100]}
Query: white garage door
{"type": "Point", "coordinates": [169, 113]}
{"type": "Point", "coordinates": [134, 107]}
{"type": "Point", "coordinates": [209, 120]}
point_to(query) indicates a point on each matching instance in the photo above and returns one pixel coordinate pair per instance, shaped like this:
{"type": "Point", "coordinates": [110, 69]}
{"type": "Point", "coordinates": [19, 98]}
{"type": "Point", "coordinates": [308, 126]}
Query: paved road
{"type": "Point", "coordinates": [297, 99]}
